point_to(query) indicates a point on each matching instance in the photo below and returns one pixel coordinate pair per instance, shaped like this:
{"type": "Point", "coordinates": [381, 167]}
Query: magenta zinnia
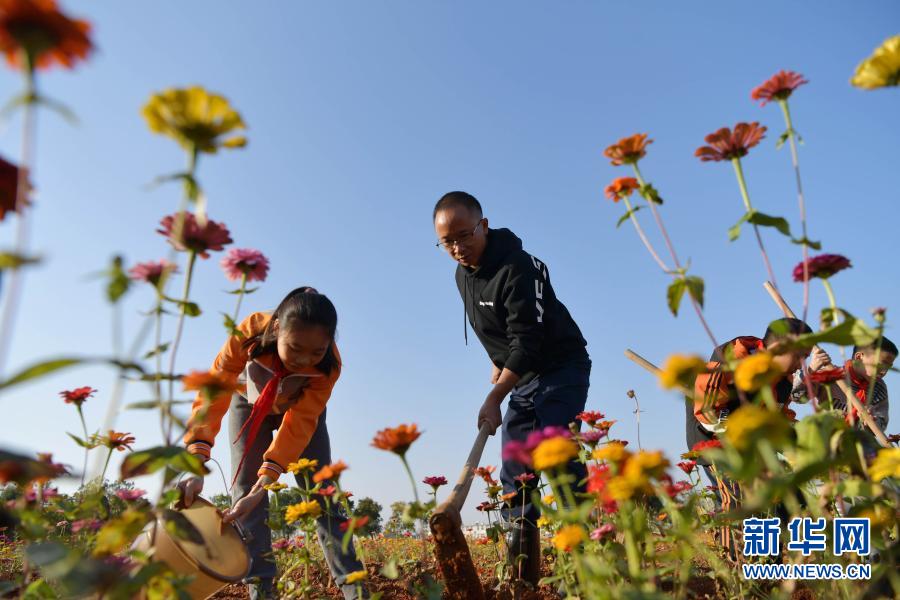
{"type": "Point", "coordinates": [152, 271]}
{"type": "Point", "coordinates": [822, 266]}
{"type": "Point", "coordinates": [245, 261]}
{"type": "Point", "coordinates": [194, 237]}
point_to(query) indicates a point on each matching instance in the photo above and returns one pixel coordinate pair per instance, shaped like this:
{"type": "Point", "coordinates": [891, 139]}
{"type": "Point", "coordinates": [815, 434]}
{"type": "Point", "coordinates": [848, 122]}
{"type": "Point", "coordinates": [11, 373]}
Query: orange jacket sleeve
{"type": "Point", "coordinates": [299, 424]}
{"type": "Point", "coordinates": [206, 418]}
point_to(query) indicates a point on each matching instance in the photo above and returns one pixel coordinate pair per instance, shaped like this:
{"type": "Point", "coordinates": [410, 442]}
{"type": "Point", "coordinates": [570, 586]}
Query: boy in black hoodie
{"type": "Point", "coordinates": [537, 352]}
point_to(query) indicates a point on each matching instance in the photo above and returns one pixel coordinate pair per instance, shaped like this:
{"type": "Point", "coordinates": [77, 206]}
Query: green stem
{"type": "Point", "coordinates": [192, 258]}
{"type": "Point", "coordinates": [86, 450]}
{"type": "Point", "coordinates": [157, 383]}
{"type": "Point", "coordinates": [742, 183]}
{"type": "Point", "coordinates": [792, 140]}
{"type": "Point", "coordinates": [237, 309]}
{"type": "Point", "coordinates": [643, 236]}
{"type": "Point", "coordinates": [105, 466]}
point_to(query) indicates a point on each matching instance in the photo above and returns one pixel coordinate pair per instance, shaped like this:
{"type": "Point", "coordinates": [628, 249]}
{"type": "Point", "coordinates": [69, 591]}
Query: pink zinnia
{"type": "Point", "coordinates": [78, 396]}
{"type": "Point", "coordinates": [603, 531]}
{"type": "Point", "coordinates": [536, 437]}
{"type": "Point", "coordinates": [152, 271]}
{"type": "Point", "coordinates": [517, 451]}
{"type": "Point", "coordinates": [822, 266]}
{"type": "Point", "coordinates": [435, 482]}
{"type": "Point", "coordinates": [130, 495]}
{"type": "Point", "coordinates": [778, 87]}
{"type": "Point", "coordinates": [593, 436]}
{"type": "Point", "coordinates": [241, 261]}
{"type": "Point", "coordinates": [91, 524]}
{"type": "Point", "coordinates": [194, 237]}
{"type": "Point", "coordinates": [524, 478]}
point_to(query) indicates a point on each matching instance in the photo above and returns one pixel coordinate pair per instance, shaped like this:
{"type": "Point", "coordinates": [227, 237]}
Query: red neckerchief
{"type": "Point", "coordinates": [261, 409]}
{"type": "Point", "coordinates": [862, 386]}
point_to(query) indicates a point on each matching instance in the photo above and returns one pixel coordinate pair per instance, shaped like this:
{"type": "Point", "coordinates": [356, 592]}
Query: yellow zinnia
{"type": "Point", "coordinates": [569, 537]}
{"type": "Point", "coordinates": [680, 370]}
{"type": "Point", "coordinates": [302, 510]}
{"type": "Point", "coordinates": [554, 452]}
{"type": "Point", "coordinates": [304, 464]}
{"type": "Point", "coordinates": [755, 371]}
{"type": "Point", "coordinates": [882, 69]}
{"type": "Point", "coordinates": [620, 488]}
{"type": "Point", "coordinates": [356, 577]}
{"type": "Point", "coordinates": [274, 487]}
{"type": "Point", "coordinates": [751, 422]}
{"type": "Point", "coordinates": [613, 452]}
{"type": "Point", "coordinates": [886, 464]}
{"type": "Point", "coordinates": [195, 118]}
{"type": "Point", "coordinates": [548, 499]}
{"type": "Point", "coordinates": [544, 522]}
{"type": "Point", "coordinates": [645, 464]}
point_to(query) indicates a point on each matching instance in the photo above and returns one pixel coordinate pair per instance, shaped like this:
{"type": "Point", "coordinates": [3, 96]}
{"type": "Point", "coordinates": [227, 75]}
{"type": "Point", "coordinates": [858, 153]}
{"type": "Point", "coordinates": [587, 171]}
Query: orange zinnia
{"type": "Point", "coordinates": [330, 472]}
{"type": "Point", "coordinates": [397, 439]}
{"type": "Point", "coordinates": [117, 441]}
{"type": "Point", "coordinates": [727, 145]}
{"type": "Point", "coordinates": [621, 187]}
{"type": "Point", "coordinates": [36, 31]}
{"type": "Point", "coordinates": [628, 150]}
{"type": "Point", "coordinates": [778, 87]}
{"type": "Point", "coordinates": [210, 384]}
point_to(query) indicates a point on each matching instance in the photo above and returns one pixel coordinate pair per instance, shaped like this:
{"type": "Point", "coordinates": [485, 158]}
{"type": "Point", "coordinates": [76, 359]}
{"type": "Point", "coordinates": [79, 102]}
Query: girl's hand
{"type": "Point", "coordinates": [190, 489]}
{"type": "Point", "coordinates": [245, 505]}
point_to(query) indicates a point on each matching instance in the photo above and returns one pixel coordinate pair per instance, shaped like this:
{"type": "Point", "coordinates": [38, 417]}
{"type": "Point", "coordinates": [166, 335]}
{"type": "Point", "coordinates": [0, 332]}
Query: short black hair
{"type": "Point", "coordinates": [887, 346]}
{"type": "Point", "coordinates": [451, 199]}
{"type": "Point", "coordinates": [782, 329]}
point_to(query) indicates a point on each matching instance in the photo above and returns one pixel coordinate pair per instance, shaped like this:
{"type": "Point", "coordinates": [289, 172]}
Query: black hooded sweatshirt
{"type": "Point", "coordinates": [514, 311]}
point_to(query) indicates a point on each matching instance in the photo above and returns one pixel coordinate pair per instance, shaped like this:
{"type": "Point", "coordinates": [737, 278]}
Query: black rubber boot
{"type": "Point", "coordinates": [525, 539]}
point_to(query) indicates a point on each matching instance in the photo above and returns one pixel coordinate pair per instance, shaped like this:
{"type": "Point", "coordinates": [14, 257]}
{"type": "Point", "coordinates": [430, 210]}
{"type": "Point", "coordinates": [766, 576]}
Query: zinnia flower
{"type": "Point", "coordinates": [886, 464]}
{"type": "Point", "coordinates": [822, 266]}
{"type": "Point", "coordinates": [193, 237]}
{"type": "Point", "coordinates": [680, 370]}
{"type": "Point", "coordinates": [612, 452]}
{"type": "Point", "coordinates": [435, 482]}
{"type": "Point", "coordinates": [302, 510]}
{"type": "Point", "coordinates": [826, 375]}
{"type": "Point", "coordinates": [327, 491]}
{"type": "Point", "coordinates": [628, 150]}
{"type": "Point", "coordinates": [517, 451]}
{"type": "Point", "coordinates": [330, 472]}
{"type": "Point", "coordinates": [211, 384]}
{"type": "Point", "coordinates": [750, 422]}
{"type": "Point", "coordinates": [396, 439]}
{"type": "Point", "coordinates": [699, 447]}
{"type": "Point", "coordinates": [687, 466]}
{"type": "Point", "coordinates": [245, 261]}
{"type": "Point", "coordinates": [354, 523]}
{"type": "Point", "coordinates": [605, 530]}
{"type": "Point", "coordinates": [755, 371]}
{"type": "Point", "coordinates": [554, 453]}
{"type": "Point", "coordinates": [486, 473]}
{"type": "Point", "coordinates": [304, 464]}
{"type": "Point", "coordinates": [195, 118]}
{"type": "Point", "coordinates": [882, 69]}
{"type": "Point", "coordinates": [590, 417]}
{"type": "Point", "coordinates": [36, 31]}
{"type": "Point", "coordinates": [778, 87]}
{"type": "Point", "coordinates": [130, 495]}
{"type": "Point", "coordinates": [78, 396]}
{"type": "Point", "coordinates": [117, 441]}
{"type": "Point", "coordinates": [727, 145]}
{"type": "Point", "coordinates": [569, 537]}
{"type": "Point", "coordinates": [9, 187]}
{"type": "Point", "coordinates": [621, 187]}
{"type": "Point", "coordinates": [524, 477]}
{"type": "Point", "coordinates": [275, 486]}
{"type": "Point", "coordinates": [593, 436]}
{"type": "Point", "coordinates": [153, 271]}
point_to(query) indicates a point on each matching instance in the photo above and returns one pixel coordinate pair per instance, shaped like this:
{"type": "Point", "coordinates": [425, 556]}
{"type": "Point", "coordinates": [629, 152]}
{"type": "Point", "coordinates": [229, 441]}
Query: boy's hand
{"type": "Point", "coordinates": [490, 414]}
{"type": "Point", "coordinates": [819, 359]}
{"type": "Point", "coordinates": [495, 374]}
{"type": "Point", "coordinates": [190, 489]}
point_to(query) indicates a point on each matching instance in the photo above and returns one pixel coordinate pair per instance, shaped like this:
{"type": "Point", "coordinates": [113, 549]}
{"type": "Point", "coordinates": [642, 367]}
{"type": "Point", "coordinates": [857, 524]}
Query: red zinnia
{"type": "Point", "coordinates": [327, 491]}
{"type": "Point", "coordinates": [706, 445]}
{"type": "Point", "coordinates": [778, 87]}
{"type": "Point", "coordinates": [485, 473]}
{"type": "Point", "coordinates": [38, 29]}
{"type": "Point", "coordinates": [822, 266]}
{"type": "Point", "coordinates": [78, 396]}
{"type": "Point", "coordinates": [725, 144]}
{"type": "Point", "coordinates": [354, 523]}
{"type": "Point", "coordinates": [194, 236]}
{"type": "Point", "coordinates": [628, 150]}
{"type": "Point", "coordinates": [9, 187]}
{"type": "Point", "coordinates": [827, 375]}
{"type": "Point", "coordinates": [590, 417]}
{"type": "Point", "coordinates": [621, 187]}
{"type": "Point", "coordinates": [687, 466]}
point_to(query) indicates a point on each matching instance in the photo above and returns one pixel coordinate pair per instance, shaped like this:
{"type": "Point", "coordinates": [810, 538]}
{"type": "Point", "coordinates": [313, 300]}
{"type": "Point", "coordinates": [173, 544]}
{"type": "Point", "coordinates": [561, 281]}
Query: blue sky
{"type": "Point", "coordinates": [362, 114]}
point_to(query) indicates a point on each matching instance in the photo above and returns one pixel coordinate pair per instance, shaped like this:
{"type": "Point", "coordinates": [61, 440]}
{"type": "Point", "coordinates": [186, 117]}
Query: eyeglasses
{"type": "Point", "coordinates": [462, 240]}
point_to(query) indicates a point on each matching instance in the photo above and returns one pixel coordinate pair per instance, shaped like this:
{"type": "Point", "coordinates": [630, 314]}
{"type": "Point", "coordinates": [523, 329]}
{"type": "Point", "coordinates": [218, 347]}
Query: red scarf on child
{"type": "Point", "coordinates": [261, 409]}
{"type": "Point", "coordinates": [862, 386]}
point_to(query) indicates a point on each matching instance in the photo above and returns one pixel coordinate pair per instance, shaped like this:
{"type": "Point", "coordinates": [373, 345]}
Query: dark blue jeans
{"type": "Point", "coordinates": [552, 398]}
{"type": "Point", "coordinates": [327, 526]}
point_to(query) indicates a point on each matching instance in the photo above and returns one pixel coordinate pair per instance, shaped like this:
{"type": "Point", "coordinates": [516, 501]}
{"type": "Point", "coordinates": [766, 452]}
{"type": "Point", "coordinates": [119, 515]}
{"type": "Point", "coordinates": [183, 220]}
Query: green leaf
{"type": "Point", "coordinates": [158, 350]}
{"type": "Point", "coordinates": [807, 242]}
{"type": "Point", "coordinates": [39, 370]}
{"type": "Point", "coordinates": [390, 570]}
{"type": "Point", "coordinates": [39, 590]}
{"type": "Point", "coordinates": [10, 260]}
{"type": "Point", "coordinates": [850, 332]}
{"type": "Point", "coordinates": [145, 462]}
{"type": "Point", "coordinates": [782, 139]}
{"type": "Point", "coordinates": [231, 326]}
{"type": "Point", "coordinates": [764, 220]}
{"type": "Point", "coordinates": [735, 230]}
{"type": "Point", "coordinates": [83, 443]}
{"type": "Point", "coordinates": [238, 291]}
{"type": "Point", "coordinates": [153, 404]}
{"type": "Point", "coordinates": [180, 527]}
{"type": "Point", "coordinates": [190, 309]}
{"type": "Point", "coordinates": [54, 559]}
{"type": "Point", "coordinates": [118, 280]}
{"type": "Point", "coordinates": [859, 488]}
{"type": "Point", "coordinates": [695, 287]}
{"type": "Point", "coordinates": [675, 293]}
{"type": "Point", "coordinates": [627, 215]}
